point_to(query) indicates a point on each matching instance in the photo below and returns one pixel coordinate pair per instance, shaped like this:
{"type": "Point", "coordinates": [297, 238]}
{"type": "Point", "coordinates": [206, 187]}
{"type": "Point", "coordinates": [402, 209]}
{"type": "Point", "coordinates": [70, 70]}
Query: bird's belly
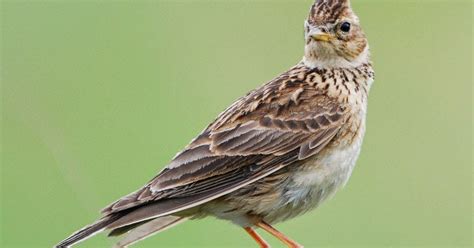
{"type": "Point", "coordinates": [318, 179]}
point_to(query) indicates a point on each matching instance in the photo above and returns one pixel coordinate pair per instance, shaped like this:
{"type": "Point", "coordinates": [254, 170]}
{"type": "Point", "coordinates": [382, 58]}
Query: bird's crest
{"type": "Point", "coordinates": [328, 11]}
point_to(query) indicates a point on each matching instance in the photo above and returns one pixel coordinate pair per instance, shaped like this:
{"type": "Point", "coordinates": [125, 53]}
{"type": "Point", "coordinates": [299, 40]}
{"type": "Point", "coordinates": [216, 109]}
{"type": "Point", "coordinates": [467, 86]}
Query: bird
{"type": "Point", "coordinates": [274, 154]}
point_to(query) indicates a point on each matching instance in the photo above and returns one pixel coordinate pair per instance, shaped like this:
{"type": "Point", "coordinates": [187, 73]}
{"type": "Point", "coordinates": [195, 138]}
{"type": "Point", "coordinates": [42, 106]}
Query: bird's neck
{"type": "Point", "coordinates": [330, 61]}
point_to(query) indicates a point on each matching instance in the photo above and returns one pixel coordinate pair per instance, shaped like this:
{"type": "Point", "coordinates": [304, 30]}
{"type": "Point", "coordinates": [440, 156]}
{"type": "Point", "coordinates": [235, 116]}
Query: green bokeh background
{"type": "Point", "coordinates": [97, 96]}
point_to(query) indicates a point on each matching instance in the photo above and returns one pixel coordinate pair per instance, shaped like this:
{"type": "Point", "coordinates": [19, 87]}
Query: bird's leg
{"type": "Point", "coordinates": [261, 242]}
{"type": "Point", "coordinates": [290, 243]}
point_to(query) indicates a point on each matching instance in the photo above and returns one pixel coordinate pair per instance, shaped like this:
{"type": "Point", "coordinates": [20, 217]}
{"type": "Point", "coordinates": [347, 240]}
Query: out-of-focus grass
{"type": "Point", "coordinates": [98, 96]}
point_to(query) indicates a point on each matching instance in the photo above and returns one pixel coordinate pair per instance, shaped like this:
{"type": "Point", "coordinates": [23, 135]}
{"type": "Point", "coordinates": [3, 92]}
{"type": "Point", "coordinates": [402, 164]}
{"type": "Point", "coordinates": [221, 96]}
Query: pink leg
{"type": "Point", "coordinates": [261, 242]}
{"type": "Point", "coordinates": [287, 241]}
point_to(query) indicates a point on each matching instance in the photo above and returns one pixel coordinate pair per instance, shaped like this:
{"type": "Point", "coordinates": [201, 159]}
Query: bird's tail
{"type": "Point", "coordinates": [88, 231]}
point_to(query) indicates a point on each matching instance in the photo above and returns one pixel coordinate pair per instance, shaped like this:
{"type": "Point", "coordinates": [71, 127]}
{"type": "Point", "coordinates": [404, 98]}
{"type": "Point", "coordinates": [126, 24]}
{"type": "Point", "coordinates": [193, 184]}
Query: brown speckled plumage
{"type": "Point", "coordinates": [275, 153]}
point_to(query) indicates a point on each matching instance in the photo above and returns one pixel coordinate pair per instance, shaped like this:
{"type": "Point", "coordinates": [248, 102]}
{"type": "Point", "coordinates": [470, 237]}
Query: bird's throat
{"type": "Point", "coordinates": [315, 58]}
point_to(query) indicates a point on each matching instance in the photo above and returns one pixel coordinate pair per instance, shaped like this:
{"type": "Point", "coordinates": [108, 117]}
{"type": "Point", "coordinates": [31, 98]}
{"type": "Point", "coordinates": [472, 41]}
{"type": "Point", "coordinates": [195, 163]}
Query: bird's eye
{"type": "Point", "coordinates": [345, 27]}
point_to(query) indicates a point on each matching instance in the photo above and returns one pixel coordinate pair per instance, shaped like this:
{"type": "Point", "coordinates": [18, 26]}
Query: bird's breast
{"type": "Point", "coordinates": [320, 176]}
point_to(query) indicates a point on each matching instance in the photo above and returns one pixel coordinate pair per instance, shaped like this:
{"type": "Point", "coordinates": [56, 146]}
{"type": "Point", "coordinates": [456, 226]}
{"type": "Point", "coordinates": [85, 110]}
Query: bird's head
{"type": "Point", "coordinates": [333, 36]}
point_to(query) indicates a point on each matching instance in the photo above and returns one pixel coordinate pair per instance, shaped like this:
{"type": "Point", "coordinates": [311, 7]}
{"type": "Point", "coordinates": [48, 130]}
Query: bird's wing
{"type": "Point", "coordinates": [283, 121]}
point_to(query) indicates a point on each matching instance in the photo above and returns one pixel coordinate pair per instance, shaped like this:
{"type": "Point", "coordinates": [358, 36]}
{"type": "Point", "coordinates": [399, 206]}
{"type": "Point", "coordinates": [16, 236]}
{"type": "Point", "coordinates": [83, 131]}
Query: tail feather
{"type": "Point", "coordinates": [88, 231]}
{"type": "Point", "coordinates": [149, 228]}
{"type": "Point", "coordinates": [125, 229]}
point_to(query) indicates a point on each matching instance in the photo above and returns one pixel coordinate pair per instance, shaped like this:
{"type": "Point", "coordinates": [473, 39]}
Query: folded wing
{"type": "Point", "coordinates": [247, 142]}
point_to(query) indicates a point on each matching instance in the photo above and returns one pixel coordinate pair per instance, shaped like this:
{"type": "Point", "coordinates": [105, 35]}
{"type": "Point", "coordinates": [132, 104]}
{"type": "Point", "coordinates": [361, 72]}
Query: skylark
{"type": "Point", "coordinates": [274, 154]}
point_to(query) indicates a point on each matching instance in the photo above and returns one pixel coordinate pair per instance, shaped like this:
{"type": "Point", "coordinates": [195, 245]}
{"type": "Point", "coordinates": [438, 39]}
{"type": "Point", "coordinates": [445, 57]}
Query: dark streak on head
{"type": "Point", "coordinates": [327, 11]}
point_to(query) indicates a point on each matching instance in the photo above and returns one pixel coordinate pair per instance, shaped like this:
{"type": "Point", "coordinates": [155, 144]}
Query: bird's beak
{"type": "Point", "coordinates": [321, 36]}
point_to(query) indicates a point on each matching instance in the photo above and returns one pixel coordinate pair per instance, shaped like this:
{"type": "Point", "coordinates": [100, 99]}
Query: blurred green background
{"type": "Point", "coordinates": [97, 96]}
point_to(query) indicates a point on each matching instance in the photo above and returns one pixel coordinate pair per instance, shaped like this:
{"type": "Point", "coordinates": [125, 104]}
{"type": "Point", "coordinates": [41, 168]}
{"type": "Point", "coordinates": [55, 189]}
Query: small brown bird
{"type": "Point", "coordinates": [275, 153]}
